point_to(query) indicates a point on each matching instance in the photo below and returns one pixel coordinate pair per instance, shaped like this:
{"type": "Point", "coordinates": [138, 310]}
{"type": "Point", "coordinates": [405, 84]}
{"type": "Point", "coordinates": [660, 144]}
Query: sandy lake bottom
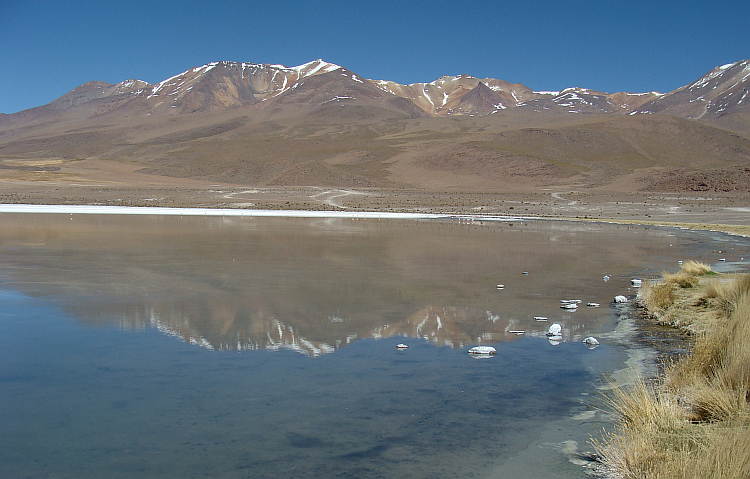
{"type": "Point", "coordinates": [232, 347]}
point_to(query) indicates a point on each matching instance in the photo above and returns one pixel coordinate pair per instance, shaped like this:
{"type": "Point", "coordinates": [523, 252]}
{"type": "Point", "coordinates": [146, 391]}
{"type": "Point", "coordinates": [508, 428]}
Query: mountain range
{"type": "Point", "coordinates": [322, 124]}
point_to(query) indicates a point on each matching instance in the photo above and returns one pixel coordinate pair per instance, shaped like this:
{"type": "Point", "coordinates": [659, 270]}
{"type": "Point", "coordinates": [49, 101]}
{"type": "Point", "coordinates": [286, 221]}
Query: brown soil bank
{"type": "Point", "coordinates": [694, 420]}
{"type": "Point", "coordinates": [112, 183]}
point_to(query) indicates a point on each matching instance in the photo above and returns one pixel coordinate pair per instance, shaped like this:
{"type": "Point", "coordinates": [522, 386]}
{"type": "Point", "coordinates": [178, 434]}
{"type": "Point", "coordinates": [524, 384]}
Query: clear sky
{"type": "Point", "coordinates": [47, 48]}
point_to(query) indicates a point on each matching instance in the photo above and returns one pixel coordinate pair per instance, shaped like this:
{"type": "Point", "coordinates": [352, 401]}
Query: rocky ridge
{"type": "Point", "coordinates": [225, 85]}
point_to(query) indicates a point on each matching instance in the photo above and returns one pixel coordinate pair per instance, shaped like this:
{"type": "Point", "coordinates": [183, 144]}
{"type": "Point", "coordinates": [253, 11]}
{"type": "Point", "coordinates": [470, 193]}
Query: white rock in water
{"type": "Point", "coordinates": [636, 283]}
{"type": "Point", "coordinates": [555, 330]}
{"type": "Point", "coordinates": [482, 350]}
{"type": "Point", "coordinates": [591, 342]}
{"type": "Point", "coordinates": [401, 346]}
{"type": "Point", "coordinates": [620, 299]}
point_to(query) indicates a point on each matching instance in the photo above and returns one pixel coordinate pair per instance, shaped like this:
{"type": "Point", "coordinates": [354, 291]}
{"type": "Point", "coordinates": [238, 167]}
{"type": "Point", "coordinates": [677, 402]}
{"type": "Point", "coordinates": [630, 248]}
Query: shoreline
{"type": "Point", "coordinates": [691, 418]}
{"type": "Point", "coordinates": [184, 211]}
{"type": "Point", "coordinates": [737, 230]}
{"type": "Point", "coordinates": [721, 211]}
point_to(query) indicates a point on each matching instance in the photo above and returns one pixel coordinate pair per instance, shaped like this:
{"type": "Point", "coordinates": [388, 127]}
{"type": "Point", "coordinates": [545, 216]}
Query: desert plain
{"type": "Point", "coordinates": [96, 182]}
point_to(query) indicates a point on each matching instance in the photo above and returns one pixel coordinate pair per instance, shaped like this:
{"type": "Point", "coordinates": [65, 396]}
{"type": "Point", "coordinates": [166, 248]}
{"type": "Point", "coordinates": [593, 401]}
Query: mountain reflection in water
{"type": "Point", "coordinates": [89, 387]}
{"type": "Point", "coordinates": [316, 285]}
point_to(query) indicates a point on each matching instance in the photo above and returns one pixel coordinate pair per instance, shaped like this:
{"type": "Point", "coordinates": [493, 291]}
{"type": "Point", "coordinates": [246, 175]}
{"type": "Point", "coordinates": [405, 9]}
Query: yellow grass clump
{"type": "Point", "coordinates": [677, 301]}
{"type": "Point", "coordinates": [694, 420]}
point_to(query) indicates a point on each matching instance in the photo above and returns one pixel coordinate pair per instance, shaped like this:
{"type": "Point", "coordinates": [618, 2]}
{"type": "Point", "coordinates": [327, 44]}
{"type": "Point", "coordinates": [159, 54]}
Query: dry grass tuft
{"type": "Point", "coordinates": [657, 298]}
{"type": "Point", "coordinates": [682, 279]}
{"type": "Point", "coordinates": [694, 422]}
{"type": "Point", "coordinates": [677, 301]}
{"type": "Point", "coordinates": [689, 274]}
{"type": "Point", "coordinates": [727, 293]}
{"type": "Point", "coordinates": [695, 268]}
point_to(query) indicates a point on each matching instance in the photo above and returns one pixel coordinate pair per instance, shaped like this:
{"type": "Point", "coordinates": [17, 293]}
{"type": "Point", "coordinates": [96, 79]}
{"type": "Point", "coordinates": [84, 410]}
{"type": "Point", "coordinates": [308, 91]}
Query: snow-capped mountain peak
{"type": "Point", "coordinates": [721, 91]}
{"type": "Point", "coordinates": [221, 85]}
{"type": "Point", "coordinates": [315, 67]}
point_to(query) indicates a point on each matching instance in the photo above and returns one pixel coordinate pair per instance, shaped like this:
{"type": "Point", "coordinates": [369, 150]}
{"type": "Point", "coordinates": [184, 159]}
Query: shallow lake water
{"type": "Point", "coordinates": [232, 347]}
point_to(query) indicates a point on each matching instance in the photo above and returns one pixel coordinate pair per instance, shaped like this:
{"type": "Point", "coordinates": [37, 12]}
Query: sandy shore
{"type": "Point", "coordinates": [714, 211]}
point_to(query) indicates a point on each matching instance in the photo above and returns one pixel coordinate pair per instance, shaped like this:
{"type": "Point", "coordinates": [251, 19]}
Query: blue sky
{"type": "Point", "coordinates": [47, 48]}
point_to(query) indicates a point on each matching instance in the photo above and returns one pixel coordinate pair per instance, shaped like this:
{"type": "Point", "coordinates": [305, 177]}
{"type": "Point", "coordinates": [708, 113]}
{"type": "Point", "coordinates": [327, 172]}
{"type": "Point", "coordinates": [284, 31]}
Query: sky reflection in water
{"type": "Point", "coordinates": [80, 397]}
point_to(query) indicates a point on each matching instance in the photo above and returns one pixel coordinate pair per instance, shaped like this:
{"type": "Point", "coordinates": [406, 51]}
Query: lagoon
{"type": "Point", "coordinates": [245, 346]}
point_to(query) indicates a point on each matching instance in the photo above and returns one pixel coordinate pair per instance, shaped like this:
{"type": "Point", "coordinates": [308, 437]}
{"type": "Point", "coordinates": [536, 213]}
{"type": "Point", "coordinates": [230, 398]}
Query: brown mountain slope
{"type": "Point", "coordinates": [645, 149]}
{"type": "Point", "coordinates": [321, 124]}
{"type": "Point", "coordinates": [344, 145]}
{"type": "Point", "coordinates": [722, 91]}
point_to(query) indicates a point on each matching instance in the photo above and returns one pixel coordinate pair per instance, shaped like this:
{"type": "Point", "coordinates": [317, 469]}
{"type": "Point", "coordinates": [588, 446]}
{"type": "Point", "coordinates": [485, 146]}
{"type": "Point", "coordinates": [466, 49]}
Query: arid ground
{"type": "Point", "coordinates": [97, 182]}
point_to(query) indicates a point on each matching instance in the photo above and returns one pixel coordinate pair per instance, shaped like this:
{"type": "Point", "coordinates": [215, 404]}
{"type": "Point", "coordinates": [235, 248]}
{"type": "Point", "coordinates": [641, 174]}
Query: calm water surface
{"type": "Point", "coordinates": [257, 347]}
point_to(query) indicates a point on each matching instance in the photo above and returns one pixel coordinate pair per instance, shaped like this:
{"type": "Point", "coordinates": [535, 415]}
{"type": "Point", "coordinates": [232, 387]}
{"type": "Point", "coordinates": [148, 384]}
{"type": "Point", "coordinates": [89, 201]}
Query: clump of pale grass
{"type": "Point", "coordinates": [656, 298]}
{"type": "Point", "coordinates": [694, 421]}
{"type": "Point", "coordinates": [725, 294]}
{"type": "Point", "coordinates": [682, 279]}
{"type": "Point", "coordinates": [688, 276]}
{"type": "Point", "coordinates": [665, 301]}
{"type": "Point", "coordinates": [695, 268]}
